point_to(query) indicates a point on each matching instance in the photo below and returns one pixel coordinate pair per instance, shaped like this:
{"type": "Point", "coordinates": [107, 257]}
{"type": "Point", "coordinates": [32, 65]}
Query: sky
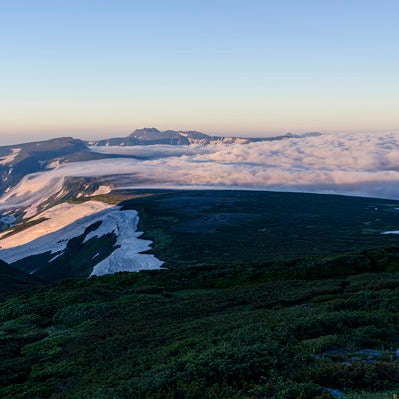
{"type": "Point", "coordinates": [97, 69]}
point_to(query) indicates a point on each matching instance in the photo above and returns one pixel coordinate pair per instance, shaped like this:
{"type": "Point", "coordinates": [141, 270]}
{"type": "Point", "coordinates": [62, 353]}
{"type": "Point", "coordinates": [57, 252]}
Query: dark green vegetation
{"type": "Point", "coordinates": [77, 260]}
{"type": "Point", "coordinates": [215, 228]}
{"type": "Point", "coordinates": [201, 333]}
{"type": "Point", "coordinates": [247, 227]}
{"type": "Point", "coordinates": [219, 228]}
{"type": "Point", "coordinates": [266, 295]}
{"type": "Point", "coordinates": [12, 280]}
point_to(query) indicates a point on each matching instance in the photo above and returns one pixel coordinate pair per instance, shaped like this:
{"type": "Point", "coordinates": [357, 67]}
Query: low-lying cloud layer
{"type": "Point", "coordinates": [344, 164]}
{"type": "Point", "coordinates": [365, 165]}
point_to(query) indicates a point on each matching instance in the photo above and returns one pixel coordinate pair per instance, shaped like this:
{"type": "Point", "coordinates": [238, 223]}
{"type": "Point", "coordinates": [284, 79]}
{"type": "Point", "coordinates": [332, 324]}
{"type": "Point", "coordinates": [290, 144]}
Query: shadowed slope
{"type": "Point", "coordinates": [12, 279]}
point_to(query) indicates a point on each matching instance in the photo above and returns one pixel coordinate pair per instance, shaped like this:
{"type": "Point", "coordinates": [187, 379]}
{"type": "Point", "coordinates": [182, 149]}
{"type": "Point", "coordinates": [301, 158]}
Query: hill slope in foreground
{"type": "Point", "coordinates": [229, 318]}
{"type": "Point", "coordinates": [198, 332]}
{"type": "Point", "coordinates": [12, 279]}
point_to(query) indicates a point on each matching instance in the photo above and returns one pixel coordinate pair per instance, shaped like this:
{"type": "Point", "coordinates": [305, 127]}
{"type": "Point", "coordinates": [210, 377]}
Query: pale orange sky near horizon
{"type": "Point", "coordinates": [224, 67]}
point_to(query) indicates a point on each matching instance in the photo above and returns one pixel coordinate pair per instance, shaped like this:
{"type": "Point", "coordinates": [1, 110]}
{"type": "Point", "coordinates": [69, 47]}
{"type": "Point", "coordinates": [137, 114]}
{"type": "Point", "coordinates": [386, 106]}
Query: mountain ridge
{"type": "Point", "coordinates": [19, 160]}
{"type": "Point", "coordinates": [152, 136]}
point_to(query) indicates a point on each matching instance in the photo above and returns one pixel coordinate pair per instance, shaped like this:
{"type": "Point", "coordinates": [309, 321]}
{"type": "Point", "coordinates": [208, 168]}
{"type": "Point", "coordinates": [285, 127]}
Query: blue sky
{"type": "Point", "coordinates": [96, 68]}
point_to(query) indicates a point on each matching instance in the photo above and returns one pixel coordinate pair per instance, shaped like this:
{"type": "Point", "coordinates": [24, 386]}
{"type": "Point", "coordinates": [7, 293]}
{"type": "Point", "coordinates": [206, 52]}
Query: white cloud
{"type": "Point", "coordinates": [366, 165]}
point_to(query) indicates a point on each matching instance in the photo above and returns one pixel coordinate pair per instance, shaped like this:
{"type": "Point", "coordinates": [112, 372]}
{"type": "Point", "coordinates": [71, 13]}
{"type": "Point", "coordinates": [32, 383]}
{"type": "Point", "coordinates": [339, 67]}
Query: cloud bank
{"type": "Point", "coordinates": [366, 165]}
{"type": "Point", "coordinates": [363, 165]}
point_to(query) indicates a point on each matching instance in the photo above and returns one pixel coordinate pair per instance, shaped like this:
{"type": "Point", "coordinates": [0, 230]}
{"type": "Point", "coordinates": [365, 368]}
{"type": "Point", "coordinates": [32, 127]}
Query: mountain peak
{"type": "Point", "coordinates": [145, 130]}
{"type": "Point", "coordinates": [155, 136]}
{"type": "Point", "coordinates": [152, 136]}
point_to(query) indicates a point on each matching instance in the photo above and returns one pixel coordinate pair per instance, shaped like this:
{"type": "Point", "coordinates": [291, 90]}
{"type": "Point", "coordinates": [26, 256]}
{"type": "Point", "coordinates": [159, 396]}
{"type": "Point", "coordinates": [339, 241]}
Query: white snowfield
{"type": "Point", "coordinates": [56, 217]}
{"type": "Point", "coordinates": [10, 157]}
{"type": "Point", "coordinates": [128, 257]}
{"type": "Point", "coordinates": [32, 190]}
{"type": "Point", "coordinates": [102, 190]}
{"type": "Point", "coordinates": [122, 223]}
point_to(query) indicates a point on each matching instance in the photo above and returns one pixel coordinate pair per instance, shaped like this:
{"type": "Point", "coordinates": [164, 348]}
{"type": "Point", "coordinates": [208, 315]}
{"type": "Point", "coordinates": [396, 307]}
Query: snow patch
{"type": "Point", "coordinates": [101, 191]}
{"type": "Point", "coordinates": [128, 257]}
{"type": "Point", "coordinates": [32, 189]}
{"type": "Point", "coordinates": [57, 218]}
{"type": "Point", "coordinates": [60, 194]}
{"type": "Point", "coordinates": [66, 221]}
{"type": "Point", "coordinates": [56, 256]}
{"type": "Point", "coordinates": [54, 164]}
{"type": "Point", "coordinates": [10, 157]}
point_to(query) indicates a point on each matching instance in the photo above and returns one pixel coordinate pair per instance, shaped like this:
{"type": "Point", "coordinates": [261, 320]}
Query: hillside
{"type": "Point", "coordinates": [12, 280]}
{"type": "Point", "coordinates": [21, 159]}
{"type": "Point", "coordinates": [265, 295]}
{"type": "Point", "coordinates": [198, 227]}
{"type": "Point", "coordinates": [235, 332]}
{"type": "Point", "coordinates": [194, 227]}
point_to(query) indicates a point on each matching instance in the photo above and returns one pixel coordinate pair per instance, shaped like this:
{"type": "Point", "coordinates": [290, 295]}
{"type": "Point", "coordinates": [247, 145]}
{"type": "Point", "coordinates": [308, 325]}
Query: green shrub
{"type": "Point", "coordinates": [74, 315]}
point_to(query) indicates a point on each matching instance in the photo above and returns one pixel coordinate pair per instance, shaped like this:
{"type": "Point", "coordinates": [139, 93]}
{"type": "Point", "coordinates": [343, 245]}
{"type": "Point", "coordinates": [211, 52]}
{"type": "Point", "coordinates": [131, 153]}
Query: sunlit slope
{"type": "Point", "coordinates": [78, 240]}
{"type": "Point", "coordinates": [18, 160]}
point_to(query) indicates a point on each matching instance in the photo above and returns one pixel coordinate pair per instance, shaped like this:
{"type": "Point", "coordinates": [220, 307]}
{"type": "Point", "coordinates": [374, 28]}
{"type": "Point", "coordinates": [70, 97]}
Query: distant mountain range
{"type": "Point", "coordinates": [16, 161]}
{"type": "Point", "coordinates": [152, 136]}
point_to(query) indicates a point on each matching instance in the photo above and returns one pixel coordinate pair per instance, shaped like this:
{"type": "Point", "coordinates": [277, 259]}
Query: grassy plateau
{"type": "Point", "coordinates": [264, 295]}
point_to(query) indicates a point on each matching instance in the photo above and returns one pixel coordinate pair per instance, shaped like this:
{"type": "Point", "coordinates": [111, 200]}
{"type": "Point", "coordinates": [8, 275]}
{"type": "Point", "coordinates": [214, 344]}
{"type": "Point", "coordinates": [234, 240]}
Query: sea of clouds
{"type": "Point", "coordinates": [351, 164]}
